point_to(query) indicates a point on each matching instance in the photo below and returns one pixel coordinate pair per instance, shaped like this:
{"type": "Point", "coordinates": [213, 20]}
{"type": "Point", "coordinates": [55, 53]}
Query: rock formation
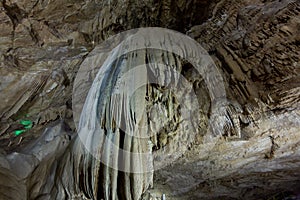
{"type": "Point", "coordinates": [46, 45]}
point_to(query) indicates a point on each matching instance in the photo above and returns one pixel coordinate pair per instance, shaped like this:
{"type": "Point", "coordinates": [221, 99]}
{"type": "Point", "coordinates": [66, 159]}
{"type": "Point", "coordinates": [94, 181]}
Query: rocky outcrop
{"type": "Point", "coordinates": [255, 45]}
{"type": "Point", "coordinates": [44, 42]}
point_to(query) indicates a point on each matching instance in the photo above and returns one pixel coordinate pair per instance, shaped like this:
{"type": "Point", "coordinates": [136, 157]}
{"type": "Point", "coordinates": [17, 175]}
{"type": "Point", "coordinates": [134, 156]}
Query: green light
{"type": "Point", "coordinates": [28, 127]}
{"type": "Point", "coordinates": [19, 132]}
{"type": "Point", "coordinates": [26, 122]}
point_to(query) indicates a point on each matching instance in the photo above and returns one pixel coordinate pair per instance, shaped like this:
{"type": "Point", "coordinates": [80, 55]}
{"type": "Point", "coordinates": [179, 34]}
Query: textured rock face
{"type": "Point", "coordinates": [44, 42]}
{"type": "Point", "coordinates": [144, 119]}
{"type": "Point", "coordinates": [255, 44]}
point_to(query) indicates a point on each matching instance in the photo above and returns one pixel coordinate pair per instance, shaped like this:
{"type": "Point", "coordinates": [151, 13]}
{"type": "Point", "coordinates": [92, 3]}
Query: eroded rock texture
{"type": "Point", "coordinates": [255, 45]}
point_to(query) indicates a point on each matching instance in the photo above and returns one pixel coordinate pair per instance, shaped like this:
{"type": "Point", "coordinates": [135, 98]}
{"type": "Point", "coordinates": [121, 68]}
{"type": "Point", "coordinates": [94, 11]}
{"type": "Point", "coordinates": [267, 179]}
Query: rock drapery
{"type": "Point", "coordinates": [120, 113]}
{"type": "Point", "coordinates": [254, 43]}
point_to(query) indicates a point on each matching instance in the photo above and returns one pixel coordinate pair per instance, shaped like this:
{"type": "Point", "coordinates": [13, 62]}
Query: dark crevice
{"type": "Point", "coordinates": [14, 13]}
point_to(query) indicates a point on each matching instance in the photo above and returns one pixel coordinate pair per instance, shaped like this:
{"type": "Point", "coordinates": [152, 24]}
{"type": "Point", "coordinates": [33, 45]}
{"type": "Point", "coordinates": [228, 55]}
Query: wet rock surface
{"type": "Point", "coordinates": [255, 45]}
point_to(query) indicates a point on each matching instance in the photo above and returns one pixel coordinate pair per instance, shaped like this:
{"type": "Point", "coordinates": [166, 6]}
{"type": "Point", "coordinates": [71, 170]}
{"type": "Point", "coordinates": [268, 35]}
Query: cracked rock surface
{"type": "Point", "coordinates": [254, 44]}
